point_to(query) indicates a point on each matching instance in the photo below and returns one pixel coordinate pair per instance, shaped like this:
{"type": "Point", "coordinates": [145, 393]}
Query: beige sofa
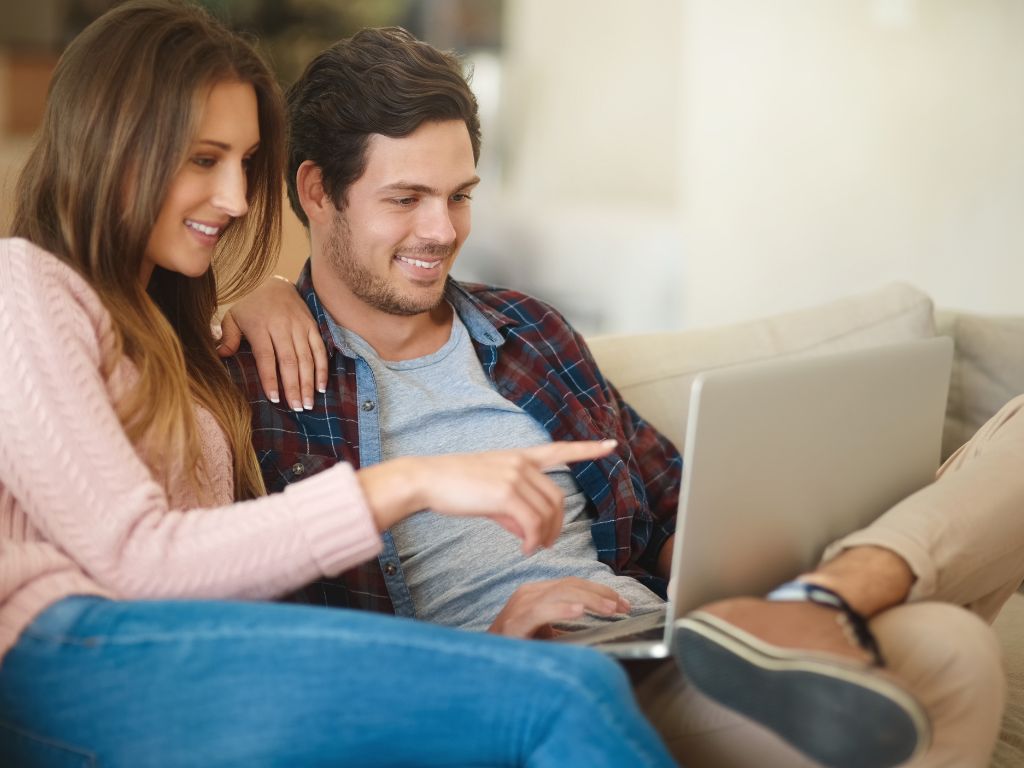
{"type": "Point", "coordinates": [652, 370]}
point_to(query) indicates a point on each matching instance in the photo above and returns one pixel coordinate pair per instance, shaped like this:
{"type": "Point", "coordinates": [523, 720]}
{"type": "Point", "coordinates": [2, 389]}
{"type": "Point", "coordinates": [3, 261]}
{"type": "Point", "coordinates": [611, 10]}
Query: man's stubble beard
{"type": "Point", "coordinates": [372, 289]}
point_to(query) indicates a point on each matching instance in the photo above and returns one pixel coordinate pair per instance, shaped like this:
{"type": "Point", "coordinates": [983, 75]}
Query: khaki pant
{"type": "Point", "coordinates": [963, 537]}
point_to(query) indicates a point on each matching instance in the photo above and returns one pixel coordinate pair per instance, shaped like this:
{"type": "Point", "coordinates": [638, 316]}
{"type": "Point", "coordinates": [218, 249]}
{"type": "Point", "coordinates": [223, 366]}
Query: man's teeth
{"type": "Point", "coordinates": [211, 231]}
{"type": "Point", "coordinates": [418, 263]}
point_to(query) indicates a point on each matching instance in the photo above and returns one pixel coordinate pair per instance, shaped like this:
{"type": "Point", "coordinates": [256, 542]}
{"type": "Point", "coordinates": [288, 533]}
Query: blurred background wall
{"type": "Point", "coordinates": [672, 163]}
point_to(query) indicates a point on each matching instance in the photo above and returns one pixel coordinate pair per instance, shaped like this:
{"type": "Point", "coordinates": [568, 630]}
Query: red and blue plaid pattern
{"type": "Point", "coordinates": [545, 368]}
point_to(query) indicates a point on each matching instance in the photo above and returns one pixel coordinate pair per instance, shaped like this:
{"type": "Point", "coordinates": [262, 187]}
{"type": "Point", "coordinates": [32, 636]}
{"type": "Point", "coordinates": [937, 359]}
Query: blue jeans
{"type": "Point", "coordinates": [95, 682]}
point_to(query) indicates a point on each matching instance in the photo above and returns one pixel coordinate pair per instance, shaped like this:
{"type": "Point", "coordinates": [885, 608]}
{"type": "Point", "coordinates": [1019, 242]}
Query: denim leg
{"type": "Point", "coordinates": [107, 683]}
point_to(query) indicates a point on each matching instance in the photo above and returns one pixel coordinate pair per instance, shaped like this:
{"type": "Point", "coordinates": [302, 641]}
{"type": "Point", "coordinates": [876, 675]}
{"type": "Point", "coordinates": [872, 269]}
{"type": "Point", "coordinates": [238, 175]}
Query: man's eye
{"type": "Point", "coordinates": [405, 201]}
{"type": "Point", "coordinates": [461, 197]}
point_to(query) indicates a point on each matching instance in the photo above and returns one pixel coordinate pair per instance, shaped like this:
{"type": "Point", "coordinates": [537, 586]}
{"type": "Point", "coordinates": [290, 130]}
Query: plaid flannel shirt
{"type": "Point", "coordinates": [536, 360]}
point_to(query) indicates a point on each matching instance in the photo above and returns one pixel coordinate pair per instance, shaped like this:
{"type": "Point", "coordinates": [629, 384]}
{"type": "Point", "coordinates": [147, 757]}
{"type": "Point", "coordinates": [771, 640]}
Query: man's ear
{"type": "Point", "coordinates": [317, 204]}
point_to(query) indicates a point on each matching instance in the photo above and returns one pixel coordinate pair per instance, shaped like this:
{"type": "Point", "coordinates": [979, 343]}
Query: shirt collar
{"type": "Point", "coordinates": [483, 322]}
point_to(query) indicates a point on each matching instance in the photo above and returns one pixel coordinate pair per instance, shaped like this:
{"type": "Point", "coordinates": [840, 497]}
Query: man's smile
{"type": "Point", "coordinates": [419, 262]}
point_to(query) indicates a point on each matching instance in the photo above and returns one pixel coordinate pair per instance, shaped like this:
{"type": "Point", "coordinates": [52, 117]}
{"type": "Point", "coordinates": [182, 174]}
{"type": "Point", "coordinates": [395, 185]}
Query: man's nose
{"type": "Point", "coordinates": [435, 223]}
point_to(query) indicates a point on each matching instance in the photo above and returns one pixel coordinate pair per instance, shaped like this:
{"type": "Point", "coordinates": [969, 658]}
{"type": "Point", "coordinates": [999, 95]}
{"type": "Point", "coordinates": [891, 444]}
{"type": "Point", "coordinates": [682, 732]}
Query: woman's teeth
{"type": "Point", "coordinates": [202, 228]}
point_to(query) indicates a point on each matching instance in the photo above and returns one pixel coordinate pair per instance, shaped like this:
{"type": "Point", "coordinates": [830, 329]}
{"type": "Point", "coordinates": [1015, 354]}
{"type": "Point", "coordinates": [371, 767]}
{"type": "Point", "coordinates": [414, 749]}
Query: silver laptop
{"type": "Point", "coordinates": [782, 458]}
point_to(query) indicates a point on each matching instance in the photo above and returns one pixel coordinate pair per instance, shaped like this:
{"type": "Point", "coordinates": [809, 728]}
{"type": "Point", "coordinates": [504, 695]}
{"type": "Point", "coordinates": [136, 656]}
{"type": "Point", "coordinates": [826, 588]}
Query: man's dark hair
{"type": "Point", "coordinates": [378, 81]}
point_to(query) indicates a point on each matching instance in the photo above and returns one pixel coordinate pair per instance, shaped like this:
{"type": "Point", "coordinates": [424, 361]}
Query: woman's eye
{"type": "Point", "coordinates": [203, 161]}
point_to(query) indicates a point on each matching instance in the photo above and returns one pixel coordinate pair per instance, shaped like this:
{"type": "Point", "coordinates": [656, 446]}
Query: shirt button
{"type": "Point", "coordinates": [297, 468]}
{"type": "Point", "coordinates": [390, 569]}
{"type": "Point", "coordinates": [368, 405]}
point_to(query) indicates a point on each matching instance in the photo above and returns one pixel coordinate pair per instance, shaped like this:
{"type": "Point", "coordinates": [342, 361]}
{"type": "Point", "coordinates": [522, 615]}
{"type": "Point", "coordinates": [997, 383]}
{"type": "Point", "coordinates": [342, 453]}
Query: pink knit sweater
{"type": "Point", "coordinates": [79, 511]}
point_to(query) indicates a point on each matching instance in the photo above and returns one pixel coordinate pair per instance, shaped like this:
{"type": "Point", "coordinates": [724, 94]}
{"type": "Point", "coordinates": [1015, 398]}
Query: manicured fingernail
{"type": "Point", "coordinates": [322, 389]}
{"type": "Point", "coordinates": [609, 443]}
{"type": "Point", "coordinates": [307, 404]}
{"type": "Point", "coordinates": [297, 407]}
{"type": "Point", "coordinates": [273, 397]}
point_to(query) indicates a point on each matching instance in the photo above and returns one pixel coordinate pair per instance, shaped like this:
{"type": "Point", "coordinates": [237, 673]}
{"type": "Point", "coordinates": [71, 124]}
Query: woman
{"type": "Point", "coordinates": [131, 507]}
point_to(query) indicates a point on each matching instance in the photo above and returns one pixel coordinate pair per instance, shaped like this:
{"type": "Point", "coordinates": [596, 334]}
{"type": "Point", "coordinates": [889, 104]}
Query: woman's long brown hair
{"type": "Point", "coordinates": [122, 110]}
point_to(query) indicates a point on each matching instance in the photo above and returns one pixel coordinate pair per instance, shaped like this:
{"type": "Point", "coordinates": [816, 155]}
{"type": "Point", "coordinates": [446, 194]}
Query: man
{"type": "Point", "coordinates": [383, 148]}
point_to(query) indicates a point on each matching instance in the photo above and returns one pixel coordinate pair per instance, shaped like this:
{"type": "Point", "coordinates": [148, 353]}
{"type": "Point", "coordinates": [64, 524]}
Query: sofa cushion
{"type": "Point", "coordinates": [988, 371]}
{"type": "Point", "coordinates": [654, 371]}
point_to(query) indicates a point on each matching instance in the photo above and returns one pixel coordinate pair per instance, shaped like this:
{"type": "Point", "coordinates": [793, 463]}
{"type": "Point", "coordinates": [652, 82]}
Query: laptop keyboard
{"type": "Point", "coordinates": [645, 627]}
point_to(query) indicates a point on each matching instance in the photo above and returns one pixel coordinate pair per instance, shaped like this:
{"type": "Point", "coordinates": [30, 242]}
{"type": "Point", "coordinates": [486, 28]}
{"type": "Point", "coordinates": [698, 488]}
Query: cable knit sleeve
{"type": "Point", "coordinates": [69, 465]}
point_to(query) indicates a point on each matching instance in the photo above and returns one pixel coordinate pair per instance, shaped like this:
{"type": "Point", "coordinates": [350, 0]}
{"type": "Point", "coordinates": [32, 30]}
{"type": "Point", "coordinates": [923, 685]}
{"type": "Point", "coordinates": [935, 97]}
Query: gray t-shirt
{"type": "Point", "coordinates": [462, 570]}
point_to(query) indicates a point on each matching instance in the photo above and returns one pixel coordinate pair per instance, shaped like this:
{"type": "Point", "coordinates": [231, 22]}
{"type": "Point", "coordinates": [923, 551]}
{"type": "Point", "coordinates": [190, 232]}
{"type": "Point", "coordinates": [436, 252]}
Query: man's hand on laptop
{"type": "Point", "coordinates": [535, 607]}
